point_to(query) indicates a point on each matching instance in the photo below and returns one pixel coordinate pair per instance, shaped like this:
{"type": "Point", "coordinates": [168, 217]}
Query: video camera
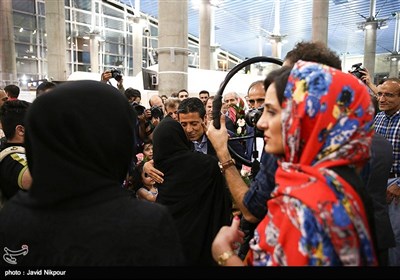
{"type": "Point", "coordinates": [116, 74]}
{"type": "Point", "coordinates": [157, 112]}
{"type": "Point", "coordinates": [252, 117]}
{"type": "Point", "coordinates": [356, 70]}
{"type": "Point", "coordinates": [138, 108]}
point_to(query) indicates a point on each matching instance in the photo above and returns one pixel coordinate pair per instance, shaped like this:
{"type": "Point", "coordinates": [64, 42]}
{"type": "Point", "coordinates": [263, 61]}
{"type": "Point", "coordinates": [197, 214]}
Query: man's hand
{"type": "Point", "coordinates": [105, 76]}
{"type": "Point", "coordinates": [393, 193]}
{"type": "Point", "coordinates": [219, 138]}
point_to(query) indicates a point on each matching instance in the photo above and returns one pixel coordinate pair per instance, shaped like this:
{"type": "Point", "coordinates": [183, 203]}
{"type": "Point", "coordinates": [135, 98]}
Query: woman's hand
{"type": "Point", "coordinates": [227, 239]}
{"type": "Point", "coordinates": [154, 173]}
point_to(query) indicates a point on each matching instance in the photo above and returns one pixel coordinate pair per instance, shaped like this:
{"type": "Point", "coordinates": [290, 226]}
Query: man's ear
{"type": "Point", "coordinates": [20, 130]}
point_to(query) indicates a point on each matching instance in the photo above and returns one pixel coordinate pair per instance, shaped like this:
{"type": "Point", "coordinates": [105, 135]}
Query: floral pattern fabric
{"type": "Point", "coordinates": [314, 216]}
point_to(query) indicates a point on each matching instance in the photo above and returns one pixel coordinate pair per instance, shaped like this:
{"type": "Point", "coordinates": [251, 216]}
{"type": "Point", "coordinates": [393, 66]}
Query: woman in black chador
{"type": "Point", "coordinates": [79, 144]}
{"type": "Point", "coordinates": [193, 190]}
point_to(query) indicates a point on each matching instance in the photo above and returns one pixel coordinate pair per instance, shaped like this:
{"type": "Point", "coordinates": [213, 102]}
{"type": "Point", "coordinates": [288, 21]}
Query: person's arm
{"type": "Point", "coordinates": [144, 194]}
{"type": "Point", "coordinates": [237, 186]}
{"type": "Point", "coordinates": [26, 181]}
{"type": "Point", "coordinates": [142, 127]}
{"type": "Point", "coordinates": [120, 85]}
{"type": "Point", "coordinates": [366, 78]}
{"type": "Point", "coordinates": [225, 242]}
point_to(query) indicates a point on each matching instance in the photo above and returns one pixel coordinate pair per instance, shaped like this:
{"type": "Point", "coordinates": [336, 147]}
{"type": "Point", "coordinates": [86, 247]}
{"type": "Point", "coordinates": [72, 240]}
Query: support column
{"type": "Point", "coordinates": [173, 46]}
{"type": "Point", "coordinates": [8, 66]}
{"type": "Point", "coordinates": [370, 47]}
{"type": "Point", "coordinates": [94, 53]}
{"type": "Point", "coordinates": [320, 21]}
{"type": "Point", "coordinates": [394, 66]}
{"type": "Point", "coordinates": [214, 46]}
{"type": "Point", "coordinates": [56, 40]}
{"type": "Point", "coordinates": [205, 34]}
{"type": "Point", "coordinates": [137, 45]}
{"type": "Point", "coordinates": [370, 41]}
{"type": "Point", "coordinates": [395, 56]}
{"type": "Point", "coordinates": [276, 38]}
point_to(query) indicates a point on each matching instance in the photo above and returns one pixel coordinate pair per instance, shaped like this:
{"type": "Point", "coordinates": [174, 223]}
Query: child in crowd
{"type": "Point", "coordinates": [144, 185]}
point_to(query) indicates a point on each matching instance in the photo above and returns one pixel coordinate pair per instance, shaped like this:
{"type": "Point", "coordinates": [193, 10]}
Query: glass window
{"type": "Point", "coordinates": [25, 50]}
{"type": "Point", "coordinates": [27, 66]}
{"type": "Point", "coordinates": [82, 4]}
{"type": "Point", "coordinates": [24, 6]}
{"type": "Point", "coordinates": [83, 17]}
{"type": "Point", "coordinates": [42, 10]}
{"type": "Point", "coordinates": [25, 21]}
{"type": "Point", "coordinates": [114, 37]}
{"type": "Point", "coordinates": [115, 24]}
{"type": "Point", "coordinates": [111, 11]}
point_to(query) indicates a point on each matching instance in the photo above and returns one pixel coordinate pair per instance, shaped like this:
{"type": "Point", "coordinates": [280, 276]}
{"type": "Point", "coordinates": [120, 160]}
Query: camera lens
{"type": "Point", "coordinates": [253, 116]}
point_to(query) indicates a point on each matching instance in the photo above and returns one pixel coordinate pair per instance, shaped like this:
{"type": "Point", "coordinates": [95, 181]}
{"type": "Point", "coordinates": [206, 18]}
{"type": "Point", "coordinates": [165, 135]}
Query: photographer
{"type": "Point", "coordinates": [116, 74]}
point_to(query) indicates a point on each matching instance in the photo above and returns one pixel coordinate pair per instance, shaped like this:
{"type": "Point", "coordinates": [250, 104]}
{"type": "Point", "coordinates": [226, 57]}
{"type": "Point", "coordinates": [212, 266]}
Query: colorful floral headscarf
{"type": "Point", "coordinates": [314, 216]}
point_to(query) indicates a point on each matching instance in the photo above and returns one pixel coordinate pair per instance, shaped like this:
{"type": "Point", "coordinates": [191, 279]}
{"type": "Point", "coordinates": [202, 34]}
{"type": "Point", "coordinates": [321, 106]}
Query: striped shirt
{"type": "Point", "coordinates": [389, 127]}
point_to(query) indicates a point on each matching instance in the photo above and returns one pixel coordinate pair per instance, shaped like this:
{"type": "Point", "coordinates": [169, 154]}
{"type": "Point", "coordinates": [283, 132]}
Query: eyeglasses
{"type": "Point", "coordinates": [260, 100]}
{"type": "Point", "coordinates": [386, 94]}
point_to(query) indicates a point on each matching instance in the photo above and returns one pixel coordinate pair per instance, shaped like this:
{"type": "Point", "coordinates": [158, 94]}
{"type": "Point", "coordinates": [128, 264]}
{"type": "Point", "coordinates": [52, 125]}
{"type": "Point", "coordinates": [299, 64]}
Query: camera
{"type": "Point", "coordinates": [356, 70]}
{"type": "Point", "coordinates": [138, 108]}
{"type": "Point", "coordinates": [156, 112]}
{"type": "Point", "coordinates": [116, 74]}
{"type": "Point", "coordinates": [253, 115]}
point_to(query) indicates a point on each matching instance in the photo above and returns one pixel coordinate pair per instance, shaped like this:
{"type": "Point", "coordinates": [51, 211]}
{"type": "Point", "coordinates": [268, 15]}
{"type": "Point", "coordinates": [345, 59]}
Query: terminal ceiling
{"type": "Point", "coordinates": [243, 27]}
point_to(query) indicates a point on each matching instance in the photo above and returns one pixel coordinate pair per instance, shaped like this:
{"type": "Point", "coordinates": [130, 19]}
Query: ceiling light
{"type": "Point", "coordinates": [372, 23]}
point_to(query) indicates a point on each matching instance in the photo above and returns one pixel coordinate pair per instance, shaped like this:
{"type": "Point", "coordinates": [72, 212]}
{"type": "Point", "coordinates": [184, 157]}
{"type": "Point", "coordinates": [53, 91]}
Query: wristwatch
{"type": "Point", "coordinates": [226, 164]}
{"type": "Point", "coordinates": [224, 257]}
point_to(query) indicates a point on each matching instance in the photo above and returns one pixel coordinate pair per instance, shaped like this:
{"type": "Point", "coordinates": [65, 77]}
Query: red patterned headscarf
{"type": "Point", "coordinates": [315, 217]}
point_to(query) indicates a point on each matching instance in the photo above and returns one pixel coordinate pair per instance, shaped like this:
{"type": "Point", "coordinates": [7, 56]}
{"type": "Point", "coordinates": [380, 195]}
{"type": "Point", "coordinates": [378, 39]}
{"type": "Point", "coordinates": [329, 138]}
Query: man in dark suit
{"type": "Point", "coordinates": [375, 175]}
{"type": "Point", "coordinates": [192, 116]}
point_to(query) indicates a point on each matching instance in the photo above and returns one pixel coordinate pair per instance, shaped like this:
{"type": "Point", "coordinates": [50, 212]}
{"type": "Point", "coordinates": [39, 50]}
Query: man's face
{"type": "Point", "coordinates": [193, 125]}
{"type": "Point", "coordinates": [209, 106]}
{"type": "Point", "coordinates": [389, 97]}
{"type": "Point", "coordinates": [157, 101]}
{"type": "Point", "coordinates": [256, 96]}
{"type": "Point", "coordinates": [172, 111]}
{"type": "Point", "coordinates": [183, 95]}
{"type": "Point", "coordinates": [203, 97]}
{"type": "Point", "coordinates": [230, 99]}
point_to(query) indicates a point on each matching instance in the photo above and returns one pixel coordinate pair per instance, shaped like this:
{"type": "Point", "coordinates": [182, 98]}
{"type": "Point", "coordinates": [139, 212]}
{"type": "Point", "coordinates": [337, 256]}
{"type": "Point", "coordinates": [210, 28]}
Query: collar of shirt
{"type": "Point", "coordinates": [202, 145]}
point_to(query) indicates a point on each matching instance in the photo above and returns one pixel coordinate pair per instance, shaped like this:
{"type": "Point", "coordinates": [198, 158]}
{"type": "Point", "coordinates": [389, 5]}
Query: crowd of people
{"type": "Point", "coordinates": [114, 182]}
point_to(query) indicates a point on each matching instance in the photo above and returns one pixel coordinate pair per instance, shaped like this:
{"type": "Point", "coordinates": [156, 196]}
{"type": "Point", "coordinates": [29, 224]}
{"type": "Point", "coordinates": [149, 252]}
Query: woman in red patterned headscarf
{"type": "Point", "coordinates": [318, 121]}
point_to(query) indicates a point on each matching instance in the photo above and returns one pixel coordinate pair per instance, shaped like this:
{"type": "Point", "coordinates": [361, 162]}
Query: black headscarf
{"type": "Point", "coordinates": [79, 144]}
{"type": "Point", "coordinates": [194, 191]}
{"type": "Point", "coordinates": [81, 132]}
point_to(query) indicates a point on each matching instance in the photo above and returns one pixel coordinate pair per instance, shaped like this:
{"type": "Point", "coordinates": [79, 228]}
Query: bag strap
{"type": "Point", "coordinates": [11, 150]}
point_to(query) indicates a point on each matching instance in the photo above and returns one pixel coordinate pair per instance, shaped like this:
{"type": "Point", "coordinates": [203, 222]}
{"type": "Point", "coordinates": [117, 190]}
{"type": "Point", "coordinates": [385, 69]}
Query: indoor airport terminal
{"type": "Point", "coordinates": [176, 138]}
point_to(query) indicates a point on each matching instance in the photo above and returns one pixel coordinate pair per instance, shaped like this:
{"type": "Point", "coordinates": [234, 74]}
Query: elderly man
{"type": "Point", "coordinates": [387, 123]}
